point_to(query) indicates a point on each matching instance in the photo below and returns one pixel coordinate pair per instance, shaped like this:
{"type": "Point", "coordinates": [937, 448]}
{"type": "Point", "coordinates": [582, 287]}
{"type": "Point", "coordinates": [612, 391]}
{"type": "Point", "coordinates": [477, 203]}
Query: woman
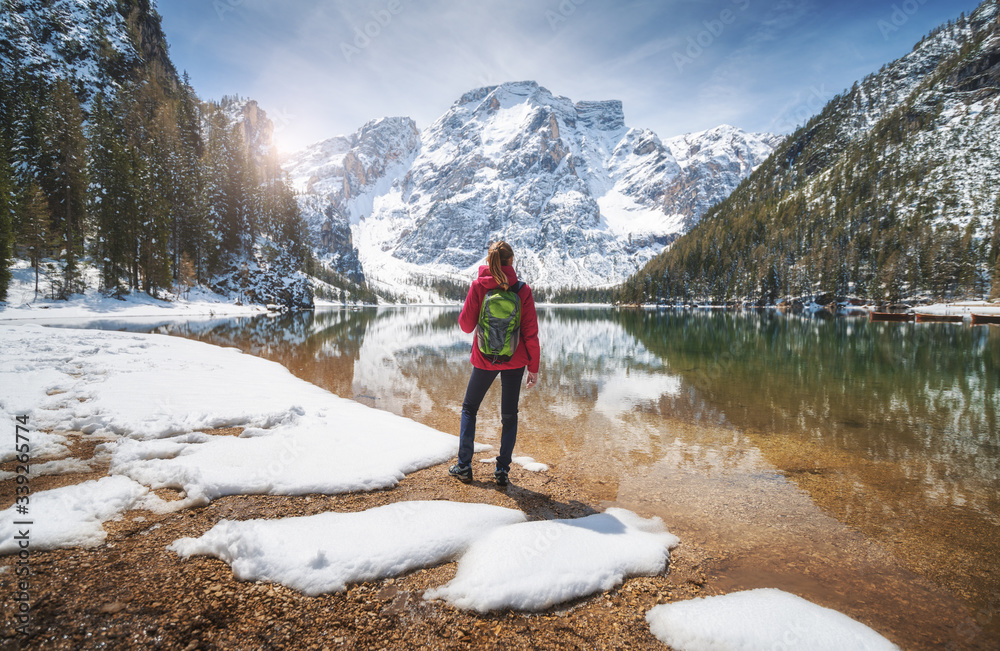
{"type": "Point", "coordinates": [498, 272]}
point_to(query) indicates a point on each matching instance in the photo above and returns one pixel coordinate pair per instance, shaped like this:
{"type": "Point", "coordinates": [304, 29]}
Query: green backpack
{"type": "Point", "coordinates": [499, 328]}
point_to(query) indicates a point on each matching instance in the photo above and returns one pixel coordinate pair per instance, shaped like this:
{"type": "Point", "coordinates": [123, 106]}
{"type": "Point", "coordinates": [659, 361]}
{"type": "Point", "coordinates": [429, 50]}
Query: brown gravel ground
{"type": "Point", "coordinates": [131, 593]}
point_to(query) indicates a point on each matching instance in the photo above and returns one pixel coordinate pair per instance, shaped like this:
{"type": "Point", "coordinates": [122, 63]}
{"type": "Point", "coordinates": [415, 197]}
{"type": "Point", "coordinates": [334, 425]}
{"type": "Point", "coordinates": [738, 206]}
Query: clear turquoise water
{"type": "Point", "coordinates": [889, 429]}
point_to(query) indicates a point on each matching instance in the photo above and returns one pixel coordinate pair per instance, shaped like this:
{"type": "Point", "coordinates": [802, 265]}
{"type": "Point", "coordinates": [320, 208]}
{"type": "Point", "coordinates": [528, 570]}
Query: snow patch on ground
{"type": "Point", "coordinates": [324, 552]}
{"type": "Point", "coordinates": [762, 619]}
{"type": "Point", "coordinates": [156, 391]}
{"type": "Point", "coordinates": [954, 309]}
{"type": "Point", "coordinates": [71, 516]}
{"type": "Point", "coordinates": [527, 463]}
{"type": "Point", "coordinates": [66, 466]}
{"type": "Point", "coordinates": [533, 565]}
{"type": "Point", "coordinates": [351, 448]}
{"type": "Point", "coordinates": [23, 303]}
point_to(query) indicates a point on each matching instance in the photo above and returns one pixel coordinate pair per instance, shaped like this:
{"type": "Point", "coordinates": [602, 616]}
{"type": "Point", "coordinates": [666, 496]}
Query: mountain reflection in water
{"type": "Point", "coordinates": [889, 428]}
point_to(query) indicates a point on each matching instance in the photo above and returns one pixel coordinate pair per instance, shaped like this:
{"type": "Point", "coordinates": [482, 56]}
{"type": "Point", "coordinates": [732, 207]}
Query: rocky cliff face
{"type": "Point", "coordinates": [712, 164]}
{"type": "Point", "coordinates": [256, 128]}
{"type": "Point", "coordinates": [340, 178]}
{"type": "Point", "coordinates": [583, 199]}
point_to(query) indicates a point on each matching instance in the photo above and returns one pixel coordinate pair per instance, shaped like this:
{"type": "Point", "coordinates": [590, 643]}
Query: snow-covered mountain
{"type": "Point", "coordinates": [891, 192]}
{"type": "Point", "coordinates": [584, 199]}
{"type": "Point", "coordinates": [339, 179]}
{"type": "Point", "coordinates": [712, 164]}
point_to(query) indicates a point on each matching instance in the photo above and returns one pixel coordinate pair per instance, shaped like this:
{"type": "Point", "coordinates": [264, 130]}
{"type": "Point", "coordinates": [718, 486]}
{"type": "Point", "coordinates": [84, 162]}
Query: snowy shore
{"type": "Point", "coordinates": [150, 399]}
{"type": "Point", "coordinates": [964, 308]}
{"type": "Point", "coordinates": [24, 303]}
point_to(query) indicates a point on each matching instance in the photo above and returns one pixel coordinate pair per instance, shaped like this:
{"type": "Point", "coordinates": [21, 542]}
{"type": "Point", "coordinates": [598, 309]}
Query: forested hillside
{"type": "Point", "coordinates": [107, 154]}
{"type": "Point", "coordinates": [891, 192]}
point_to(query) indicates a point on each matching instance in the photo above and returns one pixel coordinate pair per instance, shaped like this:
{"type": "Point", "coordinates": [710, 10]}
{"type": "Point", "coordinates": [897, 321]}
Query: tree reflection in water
{"type": "Point", "coordinates": [891, 428]}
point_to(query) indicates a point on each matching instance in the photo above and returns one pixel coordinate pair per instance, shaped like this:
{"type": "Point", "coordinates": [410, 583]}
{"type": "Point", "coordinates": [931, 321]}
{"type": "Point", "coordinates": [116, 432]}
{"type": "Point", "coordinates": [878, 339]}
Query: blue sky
{"type": "Point", "coordinates": [323, 68]}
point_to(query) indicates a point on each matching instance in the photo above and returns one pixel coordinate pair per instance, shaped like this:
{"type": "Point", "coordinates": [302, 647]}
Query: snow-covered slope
{"type": "Point", "coordinates": [891, 192]}
{"type": "Point", "coordinates": [81, 40]}
{"type": "Point", "coordinates": [713, 163]}
{"type": "Point", "coordinates": [879, 93]}
{"type": "Point", "coordinates": [95, 45]}
{"type": "Point", "coordinates": [339, 179]}
{"type": "Point", "coordinates": [584, 199]}
{"type": "Point", "coordinates": [944, 98]}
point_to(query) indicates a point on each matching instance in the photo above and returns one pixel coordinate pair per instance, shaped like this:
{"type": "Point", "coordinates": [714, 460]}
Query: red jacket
{"type": "Point", "coordinates": [527, 353]}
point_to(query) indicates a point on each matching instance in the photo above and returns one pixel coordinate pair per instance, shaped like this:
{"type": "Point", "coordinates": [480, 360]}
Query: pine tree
{"type": "Point", "coordinates": [146, 219]}
{"type": "Point", "coordinates": [186, 275]}
{"type": "Point", "coordinates": [112, 195]}
{"type": "Point", "coordinates": [215, 195]}
{"type": "Point", "coordinates": [281, 217]}
{"type": "Point", "coordinates": [161, 192]}
{"type": "Point", "coordinates": [7, 184]}
{"type": "Point", "coordinates": [187, 235]}
{"type": "Point", "coordinates": [63, 176]}
{"type": "Point", "coordinates": [33, 235]}
{"type": "Point", "coordinates": [968, 267]}
{"type": "Point", "coordinates": [231, 191]}
{"type": "Point", "coordinates": [7, 201]}
{"type": "Point", "coordinates": [993, 255]}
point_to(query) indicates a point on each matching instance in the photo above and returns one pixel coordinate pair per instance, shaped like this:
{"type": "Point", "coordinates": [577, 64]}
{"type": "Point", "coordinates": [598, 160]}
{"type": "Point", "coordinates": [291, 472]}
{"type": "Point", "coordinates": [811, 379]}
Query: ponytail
{"type": "Point", "coordinates": [500, 254]}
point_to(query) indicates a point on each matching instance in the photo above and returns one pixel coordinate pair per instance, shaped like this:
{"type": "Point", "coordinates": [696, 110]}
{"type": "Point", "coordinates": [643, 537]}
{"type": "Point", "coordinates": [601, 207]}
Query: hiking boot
{"type": "Point", "coordinates": [462, 473]}
{"type": "Point", "coordinates": [501, 477]}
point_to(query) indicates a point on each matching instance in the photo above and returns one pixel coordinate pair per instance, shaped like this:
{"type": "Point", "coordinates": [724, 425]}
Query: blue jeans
{"type": "Point", "coordinates": [479, 384]}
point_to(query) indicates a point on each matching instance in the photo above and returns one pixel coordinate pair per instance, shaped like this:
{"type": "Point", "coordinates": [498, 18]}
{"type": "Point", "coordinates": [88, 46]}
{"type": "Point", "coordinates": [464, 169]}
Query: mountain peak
{"type": "Point", "coordinates": [510, 89]}
{"type": "Point", "coordinates": [583, 199]}
{"type": "Point", "coordinates": [475, 95]}
{"type": "Point", "coordinates": [526, 88]}
{"type": "Point", "coordinates": [387, 128]}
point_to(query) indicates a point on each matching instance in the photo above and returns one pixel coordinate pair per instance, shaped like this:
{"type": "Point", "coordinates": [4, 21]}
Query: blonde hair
{"type": "Point", "coordinates": [500, 255]}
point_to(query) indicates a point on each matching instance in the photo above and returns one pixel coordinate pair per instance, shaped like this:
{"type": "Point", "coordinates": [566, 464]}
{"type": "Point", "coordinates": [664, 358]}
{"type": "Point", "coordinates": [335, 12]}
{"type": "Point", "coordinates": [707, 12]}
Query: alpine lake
{"type": "Point", "coordinates": [856, 464]}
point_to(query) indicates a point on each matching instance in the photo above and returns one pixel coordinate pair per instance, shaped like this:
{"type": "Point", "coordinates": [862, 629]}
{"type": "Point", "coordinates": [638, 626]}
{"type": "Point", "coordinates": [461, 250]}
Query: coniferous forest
{"type": "Point", "coordinates": [107, 155]}
{"type": "Point", "coordinates": [862, 201]}
{"type": "Point", "coordinates": [132, 169]}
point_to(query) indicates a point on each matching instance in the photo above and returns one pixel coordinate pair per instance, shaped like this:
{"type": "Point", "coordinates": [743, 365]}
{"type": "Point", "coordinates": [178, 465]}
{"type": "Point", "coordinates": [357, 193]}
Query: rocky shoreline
{"type": "Point", "coordinates": [131, 592]}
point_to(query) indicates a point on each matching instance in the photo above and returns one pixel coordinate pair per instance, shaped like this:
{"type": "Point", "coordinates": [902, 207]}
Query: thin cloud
{"type": "Point", "coordinates": [328, 67]}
